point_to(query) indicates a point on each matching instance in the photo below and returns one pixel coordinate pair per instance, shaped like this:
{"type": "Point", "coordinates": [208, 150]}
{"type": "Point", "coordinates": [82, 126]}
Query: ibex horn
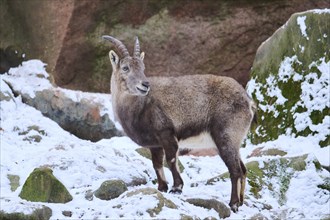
{"type": "Point", "coordinates": [118, 45]}
{"type": "Point", "coordinates": [137, 47]}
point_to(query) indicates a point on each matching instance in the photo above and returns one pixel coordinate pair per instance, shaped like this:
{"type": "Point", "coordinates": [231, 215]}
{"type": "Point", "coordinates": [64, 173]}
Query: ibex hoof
{"type": "Point", "coordinates": [176, 191]}
{"type": "Point", "coordinates": [163, 189]}
{"type": "Point", "coordinates": [234, 207]}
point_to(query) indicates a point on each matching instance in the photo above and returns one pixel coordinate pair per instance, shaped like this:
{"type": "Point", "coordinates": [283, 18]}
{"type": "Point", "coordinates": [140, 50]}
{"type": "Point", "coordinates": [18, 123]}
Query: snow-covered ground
{"type": "Point", "coordinates": [83, 165]}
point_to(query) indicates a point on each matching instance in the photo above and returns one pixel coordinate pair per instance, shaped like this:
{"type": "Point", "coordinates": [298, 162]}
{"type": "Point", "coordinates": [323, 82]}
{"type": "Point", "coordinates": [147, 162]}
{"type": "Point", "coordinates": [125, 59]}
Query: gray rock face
{"type": "Point", "coordinates": [110, 189]}
{"type": "Point", "coordinates": [221, 208]}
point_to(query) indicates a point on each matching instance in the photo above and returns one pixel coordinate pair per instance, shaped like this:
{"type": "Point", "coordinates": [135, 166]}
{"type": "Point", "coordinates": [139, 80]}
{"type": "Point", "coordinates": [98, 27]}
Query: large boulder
{"type": "Point", "coordinates": [179, 37]}
{"type": "Point", "coordinates": [43, 186]}
{"type": "Point", "coordinates": [291, 80]}
{"type": "Point", "coordinates": [85, 115]}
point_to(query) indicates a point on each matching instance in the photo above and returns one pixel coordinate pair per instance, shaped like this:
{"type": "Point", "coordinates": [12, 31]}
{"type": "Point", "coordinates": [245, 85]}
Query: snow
{"type": "Point", "coordinates": [302, 25]}
{"type": "Point", "coordinates": [321, 11]}
{"type": "Point", "coordinates": [83, 165]}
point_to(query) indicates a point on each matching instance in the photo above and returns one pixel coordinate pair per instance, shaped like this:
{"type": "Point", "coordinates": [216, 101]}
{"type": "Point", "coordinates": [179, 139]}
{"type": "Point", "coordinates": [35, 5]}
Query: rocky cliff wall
{"type": "Point", "coordinates": [179, 37]}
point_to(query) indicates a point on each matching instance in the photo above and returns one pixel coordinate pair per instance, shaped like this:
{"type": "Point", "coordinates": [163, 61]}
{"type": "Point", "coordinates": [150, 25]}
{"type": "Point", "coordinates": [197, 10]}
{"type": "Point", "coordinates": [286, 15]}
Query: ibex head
{"type": "Point", "coordinates": [128, 70]}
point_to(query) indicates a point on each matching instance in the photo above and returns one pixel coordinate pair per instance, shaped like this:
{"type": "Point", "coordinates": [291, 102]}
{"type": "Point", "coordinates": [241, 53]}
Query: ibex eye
{"type": "Point", "coordinates": [125, 68]}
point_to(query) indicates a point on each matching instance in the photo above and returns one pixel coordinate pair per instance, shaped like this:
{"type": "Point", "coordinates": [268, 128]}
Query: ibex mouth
{"type": "Point", "coordinates": [144, 87]}
{"type": "Point", "coordinates": [143, 90]}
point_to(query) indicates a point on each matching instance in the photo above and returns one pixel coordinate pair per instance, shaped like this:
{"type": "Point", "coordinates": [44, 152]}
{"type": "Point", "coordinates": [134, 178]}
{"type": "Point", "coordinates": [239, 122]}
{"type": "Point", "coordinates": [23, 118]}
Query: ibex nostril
{"type": "Point", "coordinates": [146, 84]}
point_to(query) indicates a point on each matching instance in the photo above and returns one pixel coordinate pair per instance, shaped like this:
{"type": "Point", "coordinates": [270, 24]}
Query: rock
{"type": "Point", "coordinates": [217, 37]}
{"type": "Point", "coordinates": [33, 137]}
{"type": "Point", "coordinates": [258, 216]}
{"type": "Point", "coordinates": [161, 200]}
{"type": "Point", "coordinates": [326, 184]}
{"type": "Point", "coordinates": [284, 214]}
{"type": "Point", "coordinates": [145, 152]}
{"type": "Point", "coordinates": [137, 181]}
{"type": "Point", "coordinates": [188, 217]}
{"type": "Point", "coordinates": [89, 195]}
{"type": "Point", "coordinates": [14, 182]}
{"type": "Point", "coordinates": [279, 170]}
{"type": "Point", "coordinates": [67, 213]}
{"type": "Point", "coordinates": [222, 209]}
{"type": "Point", "coordinates": [42, 186]}
{"type": "Point", "coordinates": [110, 189]}
{"type": "Point", "coordinates": [43, 213]}
{"type": "Point", "coordinates": [84, 115]}
{"type": "Point", "coordinates": [82, 118]}
{"type": "Point", "coordinates": [290, 80]}
{"type": "Point", "coordinates": [10, 57]}
{"type": "Point", "coordinates": [326, 217]}
{"type": "Point", "coordinates": [259, 152]}
{"type": "Point", "coordinates": [5, 92]}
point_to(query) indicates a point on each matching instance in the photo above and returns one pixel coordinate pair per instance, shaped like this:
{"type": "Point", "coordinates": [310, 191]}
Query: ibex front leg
{"type": "Point", "coordinates": [157, 156]}
{"type": "Point", "coordinates": [170, 146]}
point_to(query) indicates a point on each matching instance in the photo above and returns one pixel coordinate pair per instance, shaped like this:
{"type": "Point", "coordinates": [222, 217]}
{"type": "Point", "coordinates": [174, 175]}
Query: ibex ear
{"type": "Point", "coordinates": [142, 55]}
{"type": "Point", "coordinates": [114, 59]}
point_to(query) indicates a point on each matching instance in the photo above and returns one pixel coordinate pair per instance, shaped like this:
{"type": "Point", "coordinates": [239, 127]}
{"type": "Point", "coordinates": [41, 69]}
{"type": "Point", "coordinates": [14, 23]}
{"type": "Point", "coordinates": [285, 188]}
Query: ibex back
{"type": "Point", "coordinates": [157, 112]}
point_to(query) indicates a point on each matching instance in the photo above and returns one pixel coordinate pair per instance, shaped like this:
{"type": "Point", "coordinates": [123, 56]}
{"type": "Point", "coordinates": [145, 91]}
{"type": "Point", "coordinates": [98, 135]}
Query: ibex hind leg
{"type": "Point", "coordinates": [231, 157]}
{"type": "Point", "coordinates": [157, 156]}
{"type": "Point", "coordinates": [243, 182]}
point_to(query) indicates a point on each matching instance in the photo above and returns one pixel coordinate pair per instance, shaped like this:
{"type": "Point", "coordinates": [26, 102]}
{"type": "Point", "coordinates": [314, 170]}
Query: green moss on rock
{"type": "Point", "coordinates": [279, 170]}
{"type": "Point", "coordinates": [286, 69]}
{"type": "Point", "coordinates": [43, 186]}
{"type": "Point", "coordinates": [326, 184]}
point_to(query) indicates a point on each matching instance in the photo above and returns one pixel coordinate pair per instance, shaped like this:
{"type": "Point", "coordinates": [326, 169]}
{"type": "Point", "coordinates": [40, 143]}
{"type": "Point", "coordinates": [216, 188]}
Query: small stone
{"type": "Point", "coordinates": [162, 201]}
{"type": "Point", "coordinates": [67, 213]}
{"type": "Point", "coordinates": [219, 207]}
{"type": "Point", "coordinates": [89, 195]}
{"type": "Point", "coordinates": [110, 189]}
{"type": "Point", "coordinates": [258, 216]}
{"type": "Point", "coordinates": [14, 182]}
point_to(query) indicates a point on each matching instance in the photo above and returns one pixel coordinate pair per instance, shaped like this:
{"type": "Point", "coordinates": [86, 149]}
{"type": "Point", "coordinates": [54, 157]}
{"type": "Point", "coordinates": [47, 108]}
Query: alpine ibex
{"type": "Point", "coordinates": [157, 112]}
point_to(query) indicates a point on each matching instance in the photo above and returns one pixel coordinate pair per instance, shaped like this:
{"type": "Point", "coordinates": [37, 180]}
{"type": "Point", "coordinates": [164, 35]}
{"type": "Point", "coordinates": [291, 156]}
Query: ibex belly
{"type": "Point", "coordinates": [201, 141]}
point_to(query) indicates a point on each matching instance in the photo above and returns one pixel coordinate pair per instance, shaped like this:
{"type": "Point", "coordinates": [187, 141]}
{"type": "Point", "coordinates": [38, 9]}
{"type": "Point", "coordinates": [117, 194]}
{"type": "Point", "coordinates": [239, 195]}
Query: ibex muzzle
{"type": "Point", "coordinates": [160, 111]}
